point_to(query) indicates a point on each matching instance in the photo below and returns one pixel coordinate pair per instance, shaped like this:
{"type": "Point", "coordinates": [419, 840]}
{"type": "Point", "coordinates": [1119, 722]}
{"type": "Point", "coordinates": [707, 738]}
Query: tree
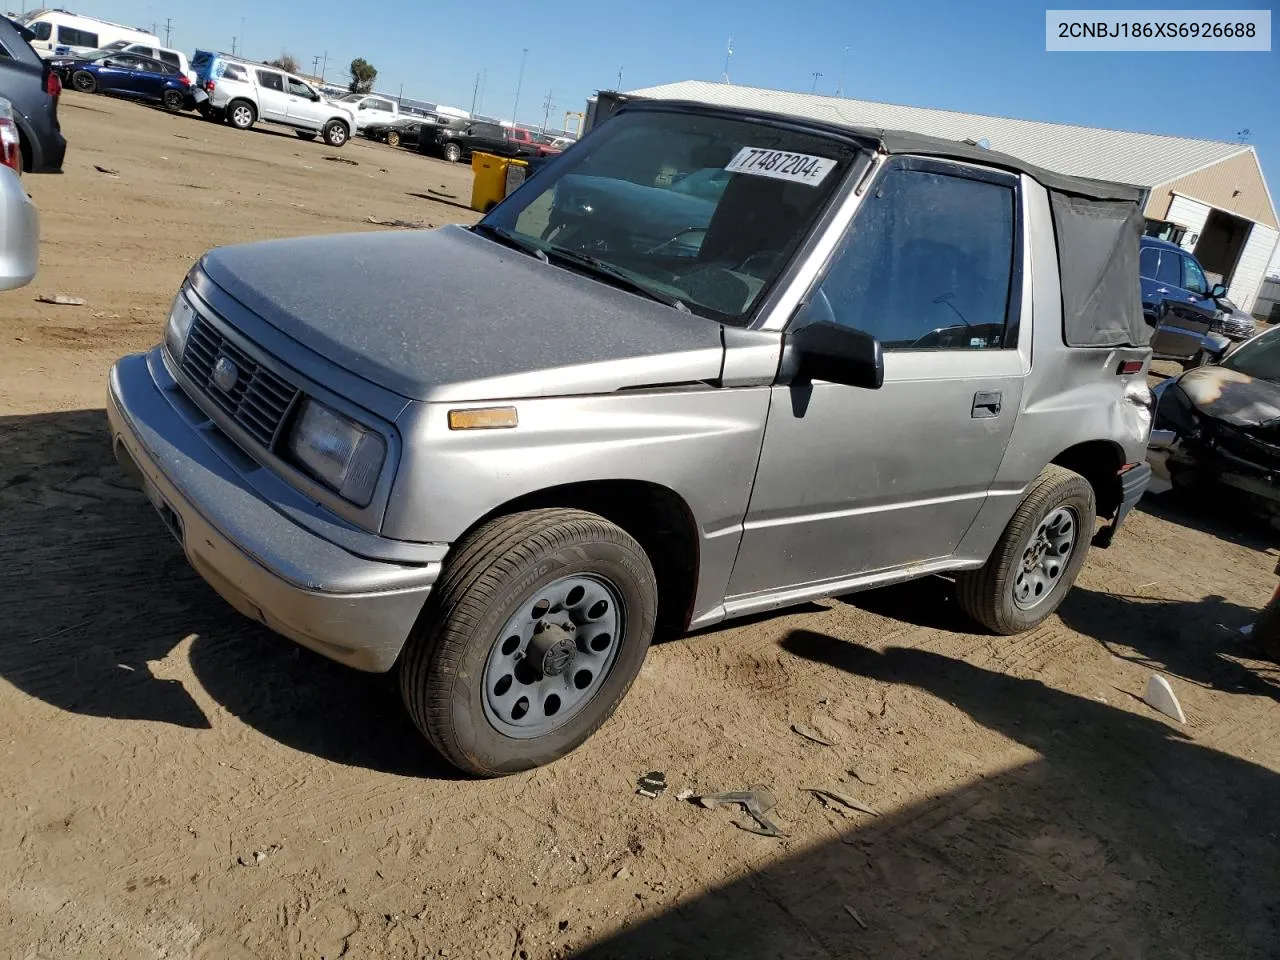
{"type": "Point", "coordinates": [363, 74]}
{"type": "Point", "coordinates": [286, 62]}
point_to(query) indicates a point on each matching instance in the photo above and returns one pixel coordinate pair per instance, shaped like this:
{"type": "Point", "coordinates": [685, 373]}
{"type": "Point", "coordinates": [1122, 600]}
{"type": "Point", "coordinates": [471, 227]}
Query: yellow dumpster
{"type": "Point", "coordinates": [495, 177]}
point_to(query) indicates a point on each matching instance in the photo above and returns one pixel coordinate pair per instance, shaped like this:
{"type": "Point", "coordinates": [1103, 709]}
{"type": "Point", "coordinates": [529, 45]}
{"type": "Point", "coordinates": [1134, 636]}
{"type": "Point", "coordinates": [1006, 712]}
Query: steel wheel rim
{"type": "Point", "coordinates": [553, 656]}
{"type": "Point", "coordinates": [1045, 558]}
{"type": "Point", "coordinates": [241, 116]}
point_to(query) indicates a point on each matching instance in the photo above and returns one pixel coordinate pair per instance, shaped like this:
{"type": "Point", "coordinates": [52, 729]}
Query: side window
{"type": "Point", "coordinates": [170, 58]}
{"type": "Point", "coordinates": [42, 30]}
{"type": "Point", "coordinates": [928, 262]}
{"type": "Point", "coordinates": [271, 81]}
{"type": "Point", "coordinates": [77, 38]}
{"type": "Point", "coordinates": [1147, 261]}
{"type": "Point", "coordinates": [233, 71]}
{"type": "Point", "coordinates": [1193, 277]}
{"type": "Point", "coordinates": [381, 105]}
{"type": "Point", "coordinates": [298, 89]}
{"type": "Point", "coordinates": [1170, 269]}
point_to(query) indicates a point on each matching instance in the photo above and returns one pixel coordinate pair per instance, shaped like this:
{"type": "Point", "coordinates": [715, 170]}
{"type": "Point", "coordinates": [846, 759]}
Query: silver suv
{"type": "Point", "coordinates": [242, 93]}
{"type": "Point", "coordinates": [705, 364]}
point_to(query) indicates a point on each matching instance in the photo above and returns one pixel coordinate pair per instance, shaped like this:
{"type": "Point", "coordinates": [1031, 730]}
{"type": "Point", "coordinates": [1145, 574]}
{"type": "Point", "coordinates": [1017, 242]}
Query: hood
{"type": "Point", "coordinates": [448, 315]}
{"type": "Point", "coordinates": [1232, 397]}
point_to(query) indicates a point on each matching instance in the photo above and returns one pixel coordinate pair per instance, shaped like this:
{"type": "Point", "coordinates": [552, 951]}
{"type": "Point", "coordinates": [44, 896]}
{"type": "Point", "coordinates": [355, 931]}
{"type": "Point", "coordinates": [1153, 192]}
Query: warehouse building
{"type": "Point", "coordinates": [1209, 196]}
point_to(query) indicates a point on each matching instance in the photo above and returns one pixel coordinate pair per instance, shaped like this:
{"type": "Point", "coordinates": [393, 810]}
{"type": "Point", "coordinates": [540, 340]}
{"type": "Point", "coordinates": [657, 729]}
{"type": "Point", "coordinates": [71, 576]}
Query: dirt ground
{"type": "Point", "coordinates": [179, 783]}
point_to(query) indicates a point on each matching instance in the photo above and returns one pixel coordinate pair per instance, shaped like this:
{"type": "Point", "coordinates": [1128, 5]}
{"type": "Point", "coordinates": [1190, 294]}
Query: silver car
{"type": "Point", "coordinates": [19, 221]}
{"type": "Point", "coordinates": [500, 459]}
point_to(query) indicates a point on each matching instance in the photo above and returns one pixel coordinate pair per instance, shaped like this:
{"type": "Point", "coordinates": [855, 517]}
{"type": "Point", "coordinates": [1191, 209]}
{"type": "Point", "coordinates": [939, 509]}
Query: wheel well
{"type": "Point", "coordinates": [657, 517]}
{"type": "Point", "coordinates": [1099, 462]}
{"type": "Point", "coordinates": [246, 102]}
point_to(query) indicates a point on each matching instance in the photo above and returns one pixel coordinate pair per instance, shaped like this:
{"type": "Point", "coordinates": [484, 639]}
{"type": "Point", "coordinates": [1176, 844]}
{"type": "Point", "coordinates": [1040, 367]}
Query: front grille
{"type": "Point", "coordinates": [259, 399]}
{"type": "Point", "coordinates": [1237, 326]}
{"type": "Point", "coordinates": [1251, 446]}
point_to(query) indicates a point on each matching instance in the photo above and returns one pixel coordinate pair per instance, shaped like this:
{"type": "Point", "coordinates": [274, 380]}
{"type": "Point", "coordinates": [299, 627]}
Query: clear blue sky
{"type": "Point", "coordinates": [980, 58]}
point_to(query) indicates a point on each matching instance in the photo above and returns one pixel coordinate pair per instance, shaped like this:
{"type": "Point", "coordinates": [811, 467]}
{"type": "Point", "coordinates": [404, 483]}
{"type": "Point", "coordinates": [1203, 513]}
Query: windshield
{"type": "Point", "coordinates": [1259, 357]}
{"type": "Point", "coordinates": [698, 209]}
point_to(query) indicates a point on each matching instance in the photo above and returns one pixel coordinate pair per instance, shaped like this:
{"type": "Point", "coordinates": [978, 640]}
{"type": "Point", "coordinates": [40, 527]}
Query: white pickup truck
{"type": "Point", "coordinates": [370, 108]}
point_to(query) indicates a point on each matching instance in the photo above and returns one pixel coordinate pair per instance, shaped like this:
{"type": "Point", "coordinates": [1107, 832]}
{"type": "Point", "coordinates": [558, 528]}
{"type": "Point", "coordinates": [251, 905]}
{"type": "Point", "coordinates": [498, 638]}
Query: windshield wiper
{"type": "Point", "coordinates": [509, 239]}
{"type": "Point", "coordinates": [613, 275]}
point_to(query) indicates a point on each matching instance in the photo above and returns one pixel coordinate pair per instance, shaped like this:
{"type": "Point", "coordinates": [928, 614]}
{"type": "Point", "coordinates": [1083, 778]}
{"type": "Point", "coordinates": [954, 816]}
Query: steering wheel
{"type": "Point", "coordinates": [936, 333]}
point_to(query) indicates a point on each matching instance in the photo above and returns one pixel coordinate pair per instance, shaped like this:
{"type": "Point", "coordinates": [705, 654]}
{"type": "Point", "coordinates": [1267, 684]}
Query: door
{"type": "Point", "coordinates": [1180, 305]}
{"type": "Point", "coordinates": [115, 74]}
{"type": "Point", "coordinates": [853, 481]}
{"type": "Point", "coordinates": [376, 110]}
{"type": "Point", "coordinates": [304, 108]}
{"type": "Point", "coordinates": [150, 78]}
{"type": "Point", "coordinates": [273, 103]}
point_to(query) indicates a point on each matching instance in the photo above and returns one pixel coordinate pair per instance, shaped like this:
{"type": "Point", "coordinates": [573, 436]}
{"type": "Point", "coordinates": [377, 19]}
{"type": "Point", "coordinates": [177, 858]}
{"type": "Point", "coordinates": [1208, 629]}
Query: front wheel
{"type": "Point", "coordinates": [452, 152]}
{"type": "Point", "coordinates": [393, 139]}
{"type": "Point", "coordinates": [531, 639]}
{"type": "Point", "coordinates": [84, 81]}
{"type": "Point", "coordinates": [335, 133]}
{"type": "Point", "coordinates": [1037, 558]}
{"type": "Point", "coordinates": [174, 101]}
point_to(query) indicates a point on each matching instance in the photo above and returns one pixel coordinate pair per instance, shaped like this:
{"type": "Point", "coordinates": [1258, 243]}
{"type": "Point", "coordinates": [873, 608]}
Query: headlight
{"type": "Point", "coordinates": [176, 328]}
{"type": "Point", "coordinates": [337, 451]}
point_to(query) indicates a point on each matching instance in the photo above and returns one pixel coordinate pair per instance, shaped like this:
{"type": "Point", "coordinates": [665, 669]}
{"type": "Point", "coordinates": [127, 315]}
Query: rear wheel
{"type": "Point", "coordinates": [393, 138]}
{"type": "Point", "coordinates": [1037, 558]}
{"type": "Point", "coordinates": [532, 638]}
{"type": "Point", "coordinates": [174, 101]}
{"type": "Point", "coordinates": [84, 81]}
{"type": "Point", "coordinates": [452, 152]}
{"type": "Point", "coordinates": [241, 114]}
{"type": "Point", "coordinates": [335, 133]}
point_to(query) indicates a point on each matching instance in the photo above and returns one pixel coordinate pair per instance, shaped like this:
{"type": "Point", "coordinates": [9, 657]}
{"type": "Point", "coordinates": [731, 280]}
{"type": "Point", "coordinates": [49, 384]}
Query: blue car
{"type": "Point", "coordinates": [1187, 314]}
{"type": "Point", "coordinates": [134, 76]}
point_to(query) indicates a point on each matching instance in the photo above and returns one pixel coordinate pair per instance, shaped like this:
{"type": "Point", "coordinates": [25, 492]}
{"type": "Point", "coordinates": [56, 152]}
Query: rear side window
{"type": "Point", "coordinates": [77, 38]}
{"type": "Point", "coordinates": [233, 71]}
{"type": "Point", "coordinates": [272, 81]}
{"type": "Point", "coordinates": [1148, 261]}
{"type": "Point", "coordinates": [1170, 269]}
{"type": "Point", "coordinates": [928, 262]}
{"type": "Point", "coordinates": [170, 58]}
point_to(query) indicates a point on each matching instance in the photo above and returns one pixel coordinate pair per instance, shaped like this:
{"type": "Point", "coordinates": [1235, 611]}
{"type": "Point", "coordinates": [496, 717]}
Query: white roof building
{"type": "Point", "coordinates": [1213, 191]}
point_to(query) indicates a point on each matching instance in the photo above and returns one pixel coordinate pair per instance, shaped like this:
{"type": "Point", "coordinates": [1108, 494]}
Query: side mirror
{"type": "Point", "coordinates": [315, 98]}
{"type": "Point", "coordinates": [1218, 291]}
{"type": "Point", "coordinates": [839, 354]}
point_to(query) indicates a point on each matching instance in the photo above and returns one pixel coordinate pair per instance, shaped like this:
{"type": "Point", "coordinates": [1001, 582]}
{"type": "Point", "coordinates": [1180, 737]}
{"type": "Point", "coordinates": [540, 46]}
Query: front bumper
{"type": "Point", "coordinates": [352, 609]}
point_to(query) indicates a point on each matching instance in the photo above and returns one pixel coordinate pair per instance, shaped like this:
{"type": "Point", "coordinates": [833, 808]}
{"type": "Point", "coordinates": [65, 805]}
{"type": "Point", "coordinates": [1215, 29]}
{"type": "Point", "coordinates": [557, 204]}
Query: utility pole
{"type": "Point", "coordinates": [546, 110]}
{"type": "Point", "coordinates": [315, 65]}
{"type": "Point", "coordinates": [168, 29]}
{"type": "Point", "coordinates": [844, 60]}
{"type": "Point", "coordinates": [233, 46]}
{"type": "Point", "coordinates": [619, 87]}
{"type": "Point", "coordinates": [520, 80]}
{"type": "Point", "coordinates": [475, 91]}
{"type": "Point", "coordinates": [484, 82]}
{"type": "Point", "coordinates": [728, 54]}
{"type": "Point", "coordinates": [324, 66]}
{"type": "Point", "coordinates": [816, 75]}
{"type": "Point", "coordinates": [400, 99]}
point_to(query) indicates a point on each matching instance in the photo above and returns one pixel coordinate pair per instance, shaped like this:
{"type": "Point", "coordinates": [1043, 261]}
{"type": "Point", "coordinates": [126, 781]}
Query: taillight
{"type": "Point", "coordinates": [208, 86]}
{"type": "Point", "coordinates": [184, 80]}
{"type": "Point", "coordinates": [53, 84]}
{"type": "Point", "coordinates": [10, 151]}
{"type": "Point", "coordinates": [1129, 366]}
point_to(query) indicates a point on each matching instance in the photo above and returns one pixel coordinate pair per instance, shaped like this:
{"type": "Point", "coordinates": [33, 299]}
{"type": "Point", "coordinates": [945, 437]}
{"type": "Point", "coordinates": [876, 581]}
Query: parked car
{"type": "Point", "coordinates": [135, 77]}
{"type": "Point", "coordinates": [19, 222]}
{"type": "Point", "coordinates": [33, 91]}
{"type": "Point", "coordinates": [371, 108]}
{"type": "Point", "coordinates": [831, 389]}
{"type": "Point", "coordinates": [1218, 428]}
{"type": "Point", "coordinates": [404, 132]}
{"type": "Point", "coordinates": [455, 138]}
{"type": "Point", "coordinates": [242, 93]}
{"type": "Point", "coordinates": [1192, 321]}
{"type": "Point", "coordinates": [66, 65]}
{"type": "Point", "coordinates": [544, 146]}
{"type": "Point", "coordinates": [59, 33]}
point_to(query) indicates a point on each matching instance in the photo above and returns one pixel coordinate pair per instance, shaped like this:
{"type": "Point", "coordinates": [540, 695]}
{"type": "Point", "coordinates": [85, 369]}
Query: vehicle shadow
{"type": "Point", "coordinates": [95, 595]}
{"type": "Point", "coordinates": [927, 602]}
{"type": "Point", "coordinates": [1218, 515]}
{"type": "Point", "coordinates": [1118, 838]}
{"type": "Point", "coordinates": [1191, 639]}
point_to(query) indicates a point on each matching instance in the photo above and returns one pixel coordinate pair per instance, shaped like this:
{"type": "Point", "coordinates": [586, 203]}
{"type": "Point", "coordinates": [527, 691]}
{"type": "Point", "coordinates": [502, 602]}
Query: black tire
{"type": "Point", "coordinates": [1266, 630]}
{"type": "Point", "coordinates": [84, 81]}
{"type": "Point", "coordinates": [452, 152]}
{"type": "Point", "coordinates": [335, 133]}
{"type": "Point", "coordinates": [241, 114]}
{"type": "Point", "coordinates": [305, 134]}
{"type": "Point", "coordinates": [493, 573]}
{"type": "Point", "coordinates": [393, 138]}
{"type": "Point", "coordinates": [174, 101]}
{"type": "Point", "coordinates": [987, 594]}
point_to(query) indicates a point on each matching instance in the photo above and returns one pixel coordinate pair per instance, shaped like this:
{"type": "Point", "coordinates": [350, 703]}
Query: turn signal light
{"type": "Point", "coordinates": [483, 418]}
{"type": "Point", "coordinates": [1129, 366]}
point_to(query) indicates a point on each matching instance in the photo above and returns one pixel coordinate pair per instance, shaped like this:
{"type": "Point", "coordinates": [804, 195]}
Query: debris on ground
{"type": "Point", "coordinates": [1160, 696]}
{"type": "Point", "coordinates": [391, 222]}
{"type": "Point", "coordinates": [854, 913]}
{"type": "Point", "coordinates": [825, 795]}
{"type": "Point", "coordinates": [61, 299]}
{"type": "Point", "coordinates": [757, 801]}
{"type": "Point", "coordinates": [652, 784]}
{"type": "Point", "coordinates": [685, 794]}
{"type": "Point", "coordinates": [811, 734]}
{"type": "Point", "coordinates": [354, 163]}
{"type": "Point", "coordinates": [108, 171]}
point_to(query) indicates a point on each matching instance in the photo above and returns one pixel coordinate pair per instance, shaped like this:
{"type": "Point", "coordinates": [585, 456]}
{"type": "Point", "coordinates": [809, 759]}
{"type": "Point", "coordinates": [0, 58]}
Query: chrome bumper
{"type": "Point", "coordinates": [352, 609]}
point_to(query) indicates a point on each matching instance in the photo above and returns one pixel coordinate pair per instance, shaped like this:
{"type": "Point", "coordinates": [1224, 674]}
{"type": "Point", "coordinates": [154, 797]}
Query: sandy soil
{"type": "Point", "coordinates": [179, 783]}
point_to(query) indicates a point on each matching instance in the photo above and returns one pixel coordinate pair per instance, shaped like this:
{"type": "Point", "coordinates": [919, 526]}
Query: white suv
{"type": "Point", "coordinates": [244, 93]}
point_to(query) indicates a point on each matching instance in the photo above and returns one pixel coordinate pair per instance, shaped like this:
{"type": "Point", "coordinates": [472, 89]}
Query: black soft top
{"type": "Point", "coordinates": [1097, 223]}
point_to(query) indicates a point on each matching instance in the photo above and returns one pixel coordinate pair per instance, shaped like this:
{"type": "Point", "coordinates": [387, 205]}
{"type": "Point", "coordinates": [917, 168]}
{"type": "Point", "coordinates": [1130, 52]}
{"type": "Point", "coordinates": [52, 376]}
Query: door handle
{"type": "Point", "coordinates": [1163, 290]}
{"type": "Point", "coordinates": [986, 404]}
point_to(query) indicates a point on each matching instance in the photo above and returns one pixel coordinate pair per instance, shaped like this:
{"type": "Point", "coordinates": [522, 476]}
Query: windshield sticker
{"type": "Point", "coordinates": [781, 165]}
